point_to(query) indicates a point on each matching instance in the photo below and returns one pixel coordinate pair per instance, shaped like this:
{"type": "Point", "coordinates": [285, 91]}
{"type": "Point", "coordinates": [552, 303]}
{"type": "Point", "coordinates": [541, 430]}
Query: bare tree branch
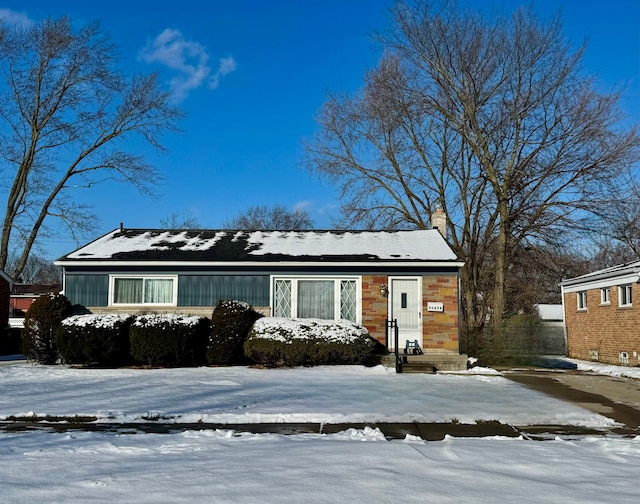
{"type": "Point", "coordinates": [65, 111]}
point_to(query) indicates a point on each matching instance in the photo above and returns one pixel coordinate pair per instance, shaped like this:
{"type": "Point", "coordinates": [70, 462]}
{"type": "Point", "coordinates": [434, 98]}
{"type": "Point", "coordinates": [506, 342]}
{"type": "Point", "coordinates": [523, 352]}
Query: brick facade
{"type": "Point", "coordinates": [374, 306]}
{"type": "Point", "coordinates": [603, 331]}
{"type": "Point", "coordinates": [439, 329]}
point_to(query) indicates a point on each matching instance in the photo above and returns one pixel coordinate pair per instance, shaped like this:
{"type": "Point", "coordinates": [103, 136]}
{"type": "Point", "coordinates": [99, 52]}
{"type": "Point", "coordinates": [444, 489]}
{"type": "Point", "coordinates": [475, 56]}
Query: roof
{"type": "Point", "coordinates": [622, 273]}
{"type": "Point", "coordinates": [162, 246]}
{"type": "Point", "coordinates": [5, 275]}
{"type": "Point", "coordinates": [550, 312]}
{"type": "Point", "coordinates": [29, 290]}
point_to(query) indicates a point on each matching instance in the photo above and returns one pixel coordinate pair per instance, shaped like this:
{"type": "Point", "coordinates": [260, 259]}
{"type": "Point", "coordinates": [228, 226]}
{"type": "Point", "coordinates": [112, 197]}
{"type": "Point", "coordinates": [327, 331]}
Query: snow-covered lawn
{"type": "Point", "coordinates": [324, 394]}
{"type": "Point", "coordinates": [355, 466]}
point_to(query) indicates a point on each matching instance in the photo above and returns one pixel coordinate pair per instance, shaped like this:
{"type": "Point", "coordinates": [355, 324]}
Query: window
{"type": "Point", "coordinates": [317, 297]}
{"type": "Point", "coordinates": [605, 295]}
{"type": "Point", "coordinates": [624, 295]}
{"type": "Point", "coordinates": [143, 290]}
{"type": "Point", "coordinates": [582, 300]}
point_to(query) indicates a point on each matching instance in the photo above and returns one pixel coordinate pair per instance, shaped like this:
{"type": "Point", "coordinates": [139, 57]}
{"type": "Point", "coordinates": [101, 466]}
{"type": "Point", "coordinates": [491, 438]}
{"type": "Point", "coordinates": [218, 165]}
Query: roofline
{"type": "Point", "coordinates": [8, 278]}
{"type": "Point", "coordinates": [263, 264]}
{"type": "Point", "coordinates": [631, 269]}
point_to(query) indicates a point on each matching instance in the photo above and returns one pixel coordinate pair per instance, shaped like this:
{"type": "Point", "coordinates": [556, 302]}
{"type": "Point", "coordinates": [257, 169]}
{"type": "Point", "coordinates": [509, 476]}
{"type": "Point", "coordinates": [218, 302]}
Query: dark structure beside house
{"type": "Point", "coordinates": [6, 284]}
{"type": "Point", "coordinates": [9, 338]}
{"type": "Point", "coordinates": [363, 276]}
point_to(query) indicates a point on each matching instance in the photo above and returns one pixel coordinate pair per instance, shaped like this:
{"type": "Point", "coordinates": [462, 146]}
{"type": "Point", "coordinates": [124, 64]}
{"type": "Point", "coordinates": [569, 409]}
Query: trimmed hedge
{"type": "Point", "coordinates": [40, 325]}
{"type": "Point", "coordinates": [275, 342]}
{"type": "Point", "coordinates": [230, 325]}
{"type": "Point", "coordinates": [169, 340]}
{"type": "Point", "coordinates": [95, 339]}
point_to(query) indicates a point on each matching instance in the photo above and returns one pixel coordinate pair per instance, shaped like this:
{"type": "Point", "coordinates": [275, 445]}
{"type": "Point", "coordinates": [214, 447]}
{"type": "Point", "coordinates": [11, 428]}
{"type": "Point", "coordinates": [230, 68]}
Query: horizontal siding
{"type": "Point", "coordinates": [87, 290]}
{"type": "Point", "coordinates": [207, 290]}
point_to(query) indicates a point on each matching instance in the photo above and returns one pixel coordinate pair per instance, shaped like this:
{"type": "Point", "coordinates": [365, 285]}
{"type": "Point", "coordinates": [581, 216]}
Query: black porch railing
{"type": "Point", "coordinates": [391, 330]}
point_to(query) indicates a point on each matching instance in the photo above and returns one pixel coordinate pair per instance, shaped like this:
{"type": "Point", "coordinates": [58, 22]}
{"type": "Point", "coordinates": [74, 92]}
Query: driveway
{"type": "Point", "coordinates": [614, 397]}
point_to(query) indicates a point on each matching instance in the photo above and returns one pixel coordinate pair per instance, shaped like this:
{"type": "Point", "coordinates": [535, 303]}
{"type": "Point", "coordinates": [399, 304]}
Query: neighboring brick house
{"type": "Point", "coordinates": [363, 276]}
{"type": "Point", "coordinates": [23, 296]}
{"type": "Point", "coordinates": [602, 323]}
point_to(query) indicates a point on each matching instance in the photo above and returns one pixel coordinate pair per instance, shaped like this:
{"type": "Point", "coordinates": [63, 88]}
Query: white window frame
{"type": "Point", "coordinates": [605, 296]}
{"type": "Point", "coordinates": [625, 298]}
{"type": "Point", "coordinates": [582, 300]}
{"type": "Point", "coordinates": [294, 279]}
{"type": "Point", "coordinates": [174, 294]}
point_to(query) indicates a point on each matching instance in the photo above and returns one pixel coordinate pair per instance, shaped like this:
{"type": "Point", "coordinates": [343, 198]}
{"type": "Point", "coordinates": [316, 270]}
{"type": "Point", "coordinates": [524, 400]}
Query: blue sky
{"type": "Point", "coordinates": [261, 70]}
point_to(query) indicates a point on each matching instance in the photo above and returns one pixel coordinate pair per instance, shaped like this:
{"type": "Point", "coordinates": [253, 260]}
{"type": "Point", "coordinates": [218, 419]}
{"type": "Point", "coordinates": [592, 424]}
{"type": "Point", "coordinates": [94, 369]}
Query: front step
{"type": "Point", "coordinates": [429, 362]}
{"type": "Point", "coordinates": [418, 367]}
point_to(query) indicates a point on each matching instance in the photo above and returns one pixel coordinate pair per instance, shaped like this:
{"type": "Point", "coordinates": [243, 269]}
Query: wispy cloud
{"type": "Point", "coordinates": [16, 18]}
{"type": "Point", "coordinates": [189, 59]}
{"type": "Point", "coordinates": [303, 206]}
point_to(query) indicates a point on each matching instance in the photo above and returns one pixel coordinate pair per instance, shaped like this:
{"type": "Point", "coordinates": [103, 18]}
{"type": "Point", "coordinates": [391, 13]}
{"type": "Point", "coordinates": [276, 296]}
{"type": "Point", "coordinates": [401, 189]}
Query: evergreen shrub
{"type": "Point", "coordinates": [230, 325]}
{"type": "Point", "coordinates": [95, 339]}
{"type": "Point", "coordinates": [169, 340]}
{"type": "Point", "coordinates": [41, 322]}
{"type": "Point", "coordinates": [276, 342]}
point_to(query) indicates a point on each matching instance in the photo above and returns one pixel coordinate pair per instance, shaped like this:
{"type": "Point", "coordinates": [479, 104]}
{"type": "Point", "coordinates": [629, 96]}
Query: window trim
{"type": "Point", "coordinates": [605, 296]}
{"type": "Point", "coordinates": [581, 300]}
{"type": "Point", "coordinates": [144, 278]}
{"type": "Point", "coordinates": [622, 295]}
{"type": "Point", "coordinates": [337, 279]}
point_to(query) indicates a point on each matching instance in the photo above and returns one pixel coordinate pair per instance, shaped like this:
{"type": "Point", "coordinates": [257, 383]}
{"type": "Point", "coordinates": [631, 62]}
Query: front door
{"type": "Point", "coordinates": [405, 306]}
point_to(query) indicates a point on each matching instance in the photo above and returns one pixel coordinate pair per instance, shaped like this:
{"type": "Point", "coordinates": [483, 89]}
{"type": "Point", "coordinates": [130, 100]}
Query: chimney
{"type": "Point", "coordinates": [439, 221]}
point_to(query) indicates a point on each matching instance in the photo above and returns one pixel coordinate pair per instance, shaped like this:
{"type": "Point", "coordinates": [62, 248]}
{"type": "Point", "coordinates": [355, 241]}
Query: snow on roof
{"type": "Point", "coordinates": [611, 272]}
{"type": "Point", "coordinates": [550, 311]}
{"type": "Point", "coordinates": [265, 246]}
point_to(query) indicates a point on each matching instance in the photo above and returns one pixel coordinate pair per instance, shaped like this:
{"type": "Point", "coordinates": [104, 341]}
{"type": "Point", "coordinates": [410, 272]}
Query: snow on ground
{"type": "Point", "coordinates": [324, 394]}
{"type": "Point", "coordinates": [607, 369]}
{"type": "Point", "coordinates": [355, 466]}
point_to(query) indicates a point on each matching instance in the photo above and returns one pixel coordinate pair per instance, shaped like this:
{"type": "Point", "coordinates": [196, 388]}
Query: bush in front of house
{"type": "Point", "coordinates": [276, 342]}
{"type": "Point", "coordinates": [230, 325]}
{"type": "Point", "coordinates": [169, 340]}
{"type": "Point", "coordinates": [95, 339]}
{"type": "Point", "coordinates": [41, 322]}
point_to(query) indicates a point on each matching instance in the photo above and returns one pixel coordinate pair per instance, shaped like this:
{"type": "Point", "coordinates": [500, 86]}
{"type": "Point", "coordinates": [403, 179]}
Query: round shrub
{"type": "Point", "coordinates": [95, 339]}
{"type": "Point", "coordinates": [40, 325]}
{"type": "Point", "coordinates": [275, 342]}
{"type": "Point", "coordinates": [167, 340]}
{"type": "Point", "coordinates": [230, 325]}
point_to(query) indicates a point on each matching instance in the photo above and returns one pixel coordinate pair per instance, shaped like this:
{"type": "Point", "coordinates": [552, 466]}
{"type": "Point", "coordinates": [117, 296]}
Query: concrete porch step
{"type": "Point", "coordinates": [428, 362]}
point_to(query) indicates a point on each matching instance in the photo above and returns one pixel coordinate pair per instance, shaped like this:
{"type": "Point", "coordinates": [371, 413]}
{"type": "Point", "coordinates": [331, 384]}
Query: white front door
{"type": "Point", "coordinates": [405, 306]}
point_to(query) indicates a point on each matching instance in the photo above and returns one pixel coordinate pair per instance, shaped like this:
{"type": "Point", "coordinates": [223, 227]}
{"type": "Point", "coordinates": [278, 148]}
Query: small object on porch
{"type": "Point", "coordinates": [412, 347]}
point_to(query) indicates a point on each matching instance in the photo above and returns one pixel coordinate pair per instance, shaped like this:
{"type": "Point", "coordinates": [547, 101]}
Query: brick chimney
{"type": "Point", "coordinates": [439, 221]}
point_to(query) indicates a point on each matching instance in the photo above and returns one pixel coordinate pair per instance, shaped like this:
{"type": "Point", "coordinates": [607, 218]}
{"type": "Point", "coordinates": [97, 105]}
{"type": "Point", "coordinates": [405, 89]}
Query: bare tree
{"type": "Point", "coordinates": [493, 121]}
{"type": "Point", "coordinates": [180, 221]}
{"type": "Point", "coordinates": [275, 217]}
{"type": "Point", "coordinates": [39, 270]}
{"type": "Point", "coordinates": [65, 112]}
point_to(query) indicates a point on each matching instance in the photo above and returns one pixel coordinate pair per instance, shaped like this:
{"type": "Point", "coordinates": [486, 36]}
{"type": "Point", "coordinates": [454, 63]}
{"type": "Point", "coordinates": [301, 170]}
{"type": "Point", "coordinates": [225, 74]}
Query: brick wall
{"type": "Point", "coordinates": [603, 331]}
{"type": "Point", "coordinates": [374, 306]}
{"type": "Point", "coordinates": [439, 329]}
